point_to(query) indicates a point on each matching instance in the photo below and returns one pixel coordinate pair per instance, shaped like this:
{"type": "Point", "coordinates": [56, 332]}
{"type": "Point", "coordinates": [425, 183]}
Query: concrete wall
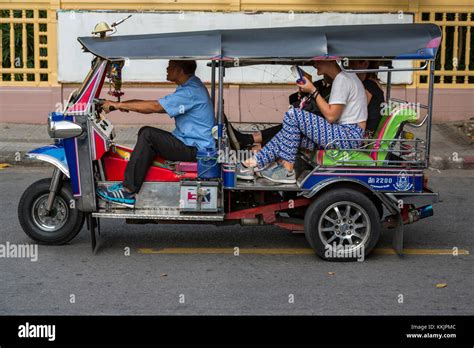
{"type": "Point", "coordinates": [28, 104]}
{"type": "Point", "coordinates": [242, 103]}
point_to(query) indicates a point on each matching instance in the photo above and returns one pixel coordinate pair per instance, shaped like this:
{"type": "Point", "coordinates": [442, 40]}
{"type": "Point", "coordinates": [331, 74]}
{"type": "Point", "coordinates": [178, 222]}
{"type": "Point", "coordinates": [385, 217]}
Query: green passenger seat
{"type": "Point", "coordinates": [387, 130]}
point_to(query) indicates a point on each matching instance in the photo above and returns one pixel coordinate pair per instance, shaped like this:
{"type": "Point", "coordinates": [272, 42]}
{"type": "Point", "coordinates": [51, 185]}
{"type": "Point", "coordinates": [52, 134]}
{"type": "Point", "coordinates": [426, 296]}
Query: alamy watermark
{"type": "Point", "coordinates": [28, 330]}
{"type": "Point", "coordinates": [406, 109]}
{"type": "Point", "coordinates": [234, 156]}
{"type": "Point", "coordinates": [339, 251]}
{"type": "Point", "coordinates": [20, 251]}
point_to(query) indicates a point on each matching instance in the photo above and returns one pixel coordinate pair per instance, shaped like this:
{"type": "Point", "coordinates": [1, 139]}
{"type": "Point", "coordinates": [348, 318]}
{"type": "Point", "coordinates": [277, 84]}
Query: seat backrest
{"type": "Point", "coordinates": [389, 127]}
{"type": "Point", "coordinates": [385, 115]}
{"type": "Point", "coordinates": [387, 130]}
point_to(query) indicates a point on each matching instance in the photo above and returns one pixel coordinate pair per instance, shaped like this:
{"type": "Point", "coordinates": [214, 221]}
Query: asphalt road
{"type": "Point", "coordinates": [69, 279]}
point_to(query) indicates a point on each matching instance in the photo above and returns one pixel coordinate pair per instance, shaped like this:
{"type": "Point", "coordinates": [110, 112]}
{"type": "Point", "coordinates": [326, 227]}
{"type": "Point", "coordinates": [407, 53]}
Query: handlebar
{"type": "Point", "coordinates": [99, 102]}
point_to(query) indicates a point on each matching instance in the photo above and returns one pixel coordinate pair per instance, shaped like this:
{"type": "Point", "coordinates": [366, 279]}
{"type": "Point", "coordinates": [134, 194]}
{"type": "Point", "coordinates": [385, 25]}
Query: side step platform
{"type": "Point", "coordinates": [164, 215]}
{"type": "Point", "coordinates": [157, 214]}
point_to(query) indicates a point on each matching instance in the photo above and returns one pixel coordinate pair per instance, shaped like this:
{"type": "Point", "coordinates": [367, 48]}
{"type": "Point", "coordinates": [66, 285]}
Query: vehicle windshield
{"type": "Point", "coordinates": [77, 92]}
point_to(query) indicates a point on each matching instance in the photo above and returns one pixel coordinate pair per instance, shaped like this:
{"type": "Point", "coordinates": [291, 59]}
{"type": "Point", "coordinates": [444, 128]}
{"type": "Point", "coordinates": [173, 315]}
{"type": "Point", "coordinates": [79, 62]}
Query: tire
{"type": "Point", "coordinates": [63, 224]}
{"type": "Point", "coordinates": [335, 236]}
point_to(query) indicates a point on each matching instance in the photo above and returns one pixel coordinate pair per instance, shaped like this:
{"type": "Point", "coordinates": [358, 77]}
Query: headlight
{"type": "Point", "coordinates": [63, 129]}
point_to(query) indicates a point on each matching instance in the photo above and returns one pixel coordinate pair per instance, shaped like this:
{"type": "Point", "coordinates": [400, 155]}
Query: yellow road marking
{"type": "Point", "coordinates": [294, 251]}
{"type": "Point", "coordinates": [275, 251]}
{"type": "Point", "coordinates": [422, 251]}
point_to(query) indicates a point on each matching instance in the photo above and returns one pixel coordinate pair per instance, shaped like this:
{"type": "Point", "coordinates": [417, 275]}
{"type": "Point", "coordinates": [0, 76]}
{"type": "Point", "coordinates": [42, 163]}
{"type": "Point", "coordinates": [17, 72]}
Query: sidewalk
{"type": "Point", "coordinates": [450, 148]}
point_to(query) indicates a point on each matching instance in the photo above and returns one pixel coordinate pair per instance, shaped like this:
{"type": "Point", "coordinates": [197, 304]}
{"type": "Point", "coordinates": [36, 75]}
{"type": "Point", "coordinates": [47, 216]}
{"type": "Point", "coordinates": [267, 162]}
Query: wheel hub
{"type": "Point", "coordinates": [344, 228]}
{"type": "Point", "coordinates": [56, 218]}
{"type": "Point", "coordinates": [344, 224]}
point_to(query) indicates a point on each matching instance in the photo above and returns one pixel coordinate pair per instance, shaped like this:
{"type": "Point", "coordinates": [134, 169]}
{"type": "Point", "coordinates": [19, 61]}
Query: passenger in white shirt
{"type": "Point", "coordinates": [341, 125]}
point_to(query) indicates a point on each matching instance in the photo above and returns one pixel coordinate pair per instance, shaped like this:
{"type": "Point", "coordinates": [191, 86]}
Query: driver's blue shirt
{"type": "Point", "coordinates": [191, 108]}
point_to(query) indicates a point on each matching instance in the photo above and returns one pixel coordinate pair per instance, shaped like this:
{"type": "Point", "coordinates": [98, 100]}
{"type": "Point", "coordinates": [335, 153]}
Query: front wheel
{"type": "Point", "coordinates": [342, 225]}
{"type": "Point", "coordinates": [60, 226]}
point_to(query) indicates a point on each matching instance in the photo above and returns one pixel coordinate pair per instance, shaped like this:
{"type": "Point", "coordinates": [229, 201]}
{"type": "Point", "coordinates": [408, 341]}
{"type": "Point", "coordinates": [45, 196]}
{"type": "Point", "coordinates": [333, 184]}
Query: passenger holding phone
{"type": "Point", "coordinates": [256, 140]}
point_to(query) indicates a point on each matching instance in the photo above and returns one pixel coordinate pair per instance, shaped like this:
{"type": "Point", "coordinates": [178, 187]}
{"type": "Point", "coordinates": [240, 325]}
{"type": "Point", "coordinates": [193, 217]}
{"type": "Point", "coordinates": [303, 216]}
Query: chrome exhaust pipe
{"type": "Point", "coordinates": [412, 216]}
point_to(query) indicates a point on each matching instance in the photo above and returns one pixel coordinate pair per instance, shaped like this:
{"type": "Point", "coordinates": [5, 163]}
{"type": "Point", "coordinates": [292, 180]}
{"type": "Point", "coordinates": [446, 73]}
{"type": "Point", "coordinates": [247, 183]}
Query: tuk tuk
{"type": "Point", "coordinates": [342, 198]}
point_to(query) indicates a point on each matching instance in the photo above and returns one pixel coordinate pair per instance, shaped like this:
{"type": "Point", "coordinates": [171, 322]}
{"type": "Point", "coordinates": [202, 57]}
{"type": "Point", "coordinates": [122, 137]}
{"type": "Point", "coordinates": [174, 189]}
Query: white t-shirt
{"type": "Point", "coordinates": [347, 89]}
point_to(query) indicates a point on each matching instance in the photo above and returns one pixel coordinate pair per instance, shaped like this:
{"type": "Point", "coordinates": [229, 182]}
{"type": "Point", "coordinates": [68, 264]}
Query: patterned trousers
{"type": "Point", "coordinates": [304, 129]}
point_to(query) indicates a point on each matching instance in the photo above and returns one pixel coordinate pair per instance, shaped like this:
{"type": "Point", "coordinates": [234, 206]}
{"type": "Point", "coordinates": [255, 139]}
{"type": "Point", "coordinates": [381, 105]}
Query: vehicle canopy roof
{"type": "Point", "coordinates": [379, 41]}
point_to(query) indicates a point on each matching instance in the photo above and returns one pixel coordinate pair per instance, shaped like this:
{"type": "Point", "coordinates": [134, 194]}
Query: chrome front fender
{"type": "Point", "coordinates": [53, 154]}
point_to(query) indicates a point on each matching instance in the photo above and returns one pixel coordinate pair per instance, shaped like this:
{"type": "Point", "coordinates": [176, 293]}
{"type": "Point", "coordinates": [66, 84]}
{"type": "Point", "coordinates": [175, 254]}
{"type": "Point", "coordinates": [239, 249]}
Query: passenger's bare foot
{"type": "Point", "coordinates": [250, 163]}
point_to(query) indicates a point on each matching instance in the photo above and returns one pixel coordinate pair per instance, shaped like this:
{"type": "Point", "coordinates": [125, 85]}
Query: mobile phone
{"type": "Point", "coordinates": [298, 73]}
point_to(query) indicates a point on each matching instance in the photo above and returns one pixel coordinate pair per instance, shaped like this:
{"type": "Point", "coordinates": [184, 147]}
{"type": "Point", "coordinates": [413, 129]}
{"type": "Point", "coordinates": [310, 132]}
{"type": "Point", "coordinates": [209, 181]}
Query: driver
{"type": "Point", "coordinates": [192, 110]}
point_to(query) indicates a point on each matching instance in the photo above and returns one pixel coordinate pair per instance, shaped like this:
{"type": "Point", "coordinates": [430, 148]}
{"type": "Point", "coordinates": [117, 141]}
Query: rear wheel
{"type": "Point", "coordinates": [60, 226]}
{"type": "Point", "coordinates": [342, 225]}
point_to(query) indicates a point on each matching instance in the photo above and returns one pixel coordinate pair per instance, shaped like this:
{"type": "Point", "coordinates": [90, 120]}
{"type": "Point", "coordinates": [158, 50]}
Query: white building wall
{"type": "Point", "coordinates": [74, 64]}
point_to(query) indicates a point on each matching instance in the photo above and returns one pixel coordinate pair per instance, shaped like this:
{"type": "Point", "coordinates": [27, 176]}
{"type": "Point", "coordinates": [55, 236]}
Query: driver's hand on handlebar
{"type": "Point", "coordinates": [109, 106]}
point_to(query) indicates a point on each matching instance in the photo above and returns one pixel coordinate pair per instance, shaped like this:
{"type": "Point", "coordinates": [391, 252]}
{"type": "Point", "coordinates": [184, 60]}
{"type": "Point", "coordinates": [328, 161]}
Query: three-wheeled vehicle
{"type": "Point", "coordinates": [342, 198]}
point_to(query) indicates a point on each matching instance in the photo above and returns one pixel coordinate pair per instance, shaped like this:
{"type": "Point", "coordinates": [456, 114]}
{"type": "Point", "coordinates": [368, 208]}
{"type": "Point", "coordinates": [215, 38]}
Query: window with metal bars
{"type": "Point", "coordinates": [455, 60]}
{"type": "Point", "coordinates": [24, 46]}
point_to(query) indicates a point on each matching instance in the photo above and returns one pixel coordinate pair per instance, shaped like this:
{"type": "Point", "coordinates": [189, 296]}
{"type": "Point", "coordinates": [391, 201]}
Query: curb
{"type": "Point", "coordinates": [446, 162]}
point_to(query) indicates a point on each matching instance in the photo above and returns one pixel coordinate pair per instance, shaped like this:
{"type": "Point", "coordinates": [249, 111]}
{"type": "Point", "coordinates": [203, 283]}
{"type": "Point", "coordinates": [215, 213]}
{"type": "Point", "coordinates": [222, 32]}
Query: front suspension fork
{"type": "Point", "coordinates": [53, 189]}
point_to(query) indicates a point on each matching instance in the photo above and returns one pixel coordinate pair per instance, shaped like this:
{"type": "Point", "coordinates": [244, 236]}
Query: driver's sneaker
{"type": "Point", "coordinates": [117, 194]}
{"type": "Point", "coordinates": [279, 174]}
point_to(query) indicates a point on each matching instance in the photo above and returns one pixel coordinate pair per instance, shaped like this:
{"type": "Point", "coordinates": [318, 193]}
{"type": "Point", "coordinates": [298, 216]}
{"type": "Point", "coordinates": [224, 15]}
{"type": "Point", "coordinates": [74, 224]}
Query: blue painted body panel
{"type": "Point", "coordinates": [425, 53]}
{"type": "Point", "coordinates": [56, 151]}
{"type": "Point", "coordinates": [71, 154]}
{"type": "Point", "coordinates": [377, 181]}
{"type": "Point", "coordinates": [71, 157]}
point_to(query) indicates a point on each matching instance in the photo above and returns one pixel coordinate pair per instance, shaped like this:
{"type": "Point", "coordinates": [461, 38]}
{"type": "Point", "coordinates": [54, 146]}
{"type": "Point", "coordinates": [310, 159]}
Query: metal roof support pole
{"type": "Point", "coordinates": [220, 103]}
{"type": "Point", "coordinates": [213, 85]}
{"type": "Point", "coordinates": [430, 111]}
{"type": "Point", "coordinates": [389, 85]}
